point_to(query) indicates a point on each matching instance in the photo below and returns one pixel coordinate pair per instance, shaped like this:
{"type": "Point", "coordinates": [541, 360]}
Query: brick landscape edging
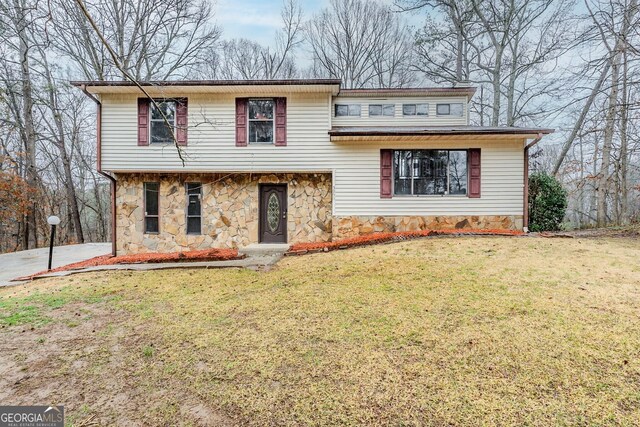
{"type": "Point", "coordinates": [378, 238]}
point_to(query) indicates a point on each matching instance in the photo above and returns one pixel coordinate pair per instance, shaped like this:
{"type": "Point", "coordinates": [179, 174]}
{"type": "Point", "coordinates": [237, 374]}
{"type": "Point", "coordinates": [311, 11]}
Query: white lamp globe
{"type": "Point", "coordinates": [53, 220]}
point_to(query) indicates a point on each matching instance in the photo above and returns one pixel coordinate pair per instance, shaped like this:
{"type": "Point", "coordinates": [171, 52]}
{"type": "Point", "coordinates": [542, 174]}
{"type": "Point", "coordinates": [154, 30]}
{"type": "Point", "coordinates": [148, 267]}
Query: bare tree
{"type": "Point", "coordinates": [363, 43]}
{"type": "Point", "coordinates": [246, 59]}
{"type": "Point", "coordinates": [607, 28]}
{"type": "Point", "coordinates": [152, 39]}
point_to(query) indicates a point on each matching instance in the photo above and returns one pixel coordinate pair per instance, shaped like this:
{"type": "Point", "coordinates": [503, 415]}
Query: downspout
{"type": "Point", "coordinates": [111, 179]}
{"type": "Point", "coordinates": [525, 207]}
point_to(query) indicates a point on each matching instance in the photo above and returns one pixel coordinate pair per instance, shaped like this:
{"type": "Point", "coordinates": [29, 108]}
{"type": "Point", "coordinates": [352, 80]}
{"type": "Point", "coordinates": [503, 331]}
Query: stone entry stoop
{"type": "Point", "coordinates": [263, 249]}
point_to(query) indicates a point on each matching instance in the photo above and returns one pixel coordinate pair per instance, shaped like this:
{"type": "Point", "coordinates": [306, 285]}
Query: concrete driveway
{"type": "Point", "coordinates": [24, 263]}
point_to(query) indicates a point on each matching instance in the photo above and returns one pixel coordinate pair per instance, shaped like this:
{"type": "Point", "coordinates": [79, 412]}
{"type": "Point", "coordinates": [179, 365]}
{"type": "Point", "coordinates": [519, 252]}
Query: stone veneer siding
{"type": "Point", "coordinates": [229, 210]}
{"type": "Point", "coordinates": [351, 226]}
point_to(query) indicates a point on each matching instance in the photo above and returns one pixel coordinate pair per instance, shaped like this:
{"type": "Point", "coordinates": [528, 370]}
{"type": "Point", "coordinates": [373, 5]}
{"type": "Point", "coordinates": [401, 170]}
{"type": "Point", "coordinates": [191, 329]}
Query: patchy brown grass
{"type": "Point", "coordinates": [451, 331]}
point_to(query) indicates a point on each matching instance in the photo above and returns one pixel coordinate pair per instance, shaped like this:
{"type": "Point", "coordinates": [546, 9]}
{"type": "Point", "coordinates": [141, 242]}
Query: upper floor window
{"type": "Point", "coordinates": [261, 112]}
{"type": "Point", "coordinates": [160, 132]}
{"type": "Point", "coordinates": [343, 110]}
{"type": "Point", "coordinates": [430, 172]}
{"type": "Point", "coordinates": [415, 109]}
{"type": "Point", "coordinates": [449, 109]}
{"type": "Point", "coordinates": [382, 110]}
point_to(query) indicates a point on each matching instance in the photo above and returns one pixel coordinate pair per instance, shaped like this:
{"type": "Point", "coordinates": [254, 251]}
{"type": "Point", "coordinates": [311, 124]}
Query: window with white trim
{"type": "Point", "coordinates": [415, 109]}
{"type": "Point", "coordinates": [261, 123]}
{"type": "Point", "coordinates": [429, 172]}
{"type": "Point", "coordinates": [347, 110]}
{"type": "Point", "coordinates": [194, 207]}
{"type": "Point", "coordinates": [455, 109]}
{"type": "Point", "coordinates": [382, 110]}
{"type": "Point", "coordinates": [151, 207]}
{"type": "Point", "coordinates": [159, 131]}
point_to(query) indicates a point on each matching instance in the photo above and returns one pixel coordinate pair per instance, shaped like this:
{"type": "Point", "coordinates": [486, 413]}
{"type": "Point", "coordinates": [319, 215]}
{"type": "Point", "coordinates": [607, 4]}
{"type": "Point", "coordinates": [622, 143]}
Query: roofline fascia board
{"type": "Point", "coordinates": [435, 132]}
{"type": "Point", "coordinates": [284, 82]}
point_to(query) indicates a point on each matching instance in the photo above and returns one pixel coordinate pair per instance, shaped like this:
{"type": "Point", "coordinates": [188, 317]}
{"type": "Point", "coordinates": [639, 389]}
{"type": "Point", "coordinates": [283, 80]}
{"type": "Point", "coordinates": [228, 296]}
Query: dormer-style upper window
{"type": "Point", "coordinates": [382, 110]}
{"type": "Point", "coordinates": [261, 113]}
{"type": "Point", "coordinates": [160, 133]}
{"type": "Point", "coordinates": [415, 109]}
{"type": "Point", "coordinates": [347, 110]}
{"type": "Point", "coordinates": [449, 109]}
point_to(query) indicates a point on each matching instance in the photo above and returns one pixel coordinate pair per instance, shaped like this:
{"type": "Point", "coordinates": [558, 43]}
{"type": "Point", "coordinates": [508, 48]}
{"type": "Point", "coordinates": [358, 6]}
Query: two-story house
{"type": "Point", "coordinates": [288, 161]}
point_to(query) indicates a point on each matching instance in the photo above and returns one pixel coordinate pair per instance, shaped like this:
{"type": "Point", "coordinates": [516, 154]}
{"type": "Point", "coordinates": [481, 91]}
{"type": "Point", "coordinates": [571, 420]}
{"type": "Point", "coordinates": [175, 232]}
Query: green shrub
{"type": "Point", "coordinates": [547, 202]}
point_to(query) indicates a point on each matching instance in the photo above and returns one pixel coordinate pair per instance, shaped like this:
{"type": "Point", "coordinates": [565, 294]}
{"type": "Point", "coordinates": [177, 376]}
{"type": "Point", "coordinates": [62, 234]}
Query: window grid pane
{"type": "Point", "coordinates": [430, 172]}
{"type": "Point", "coordinates": [409, 109]}
{"type": "Point", "coordinates": [194, 208]}
{"type": "Point", "coordinates": [261, 113]}
{"type": "Point", "coordinates": [443, 109]}
{"type": "Point", "coordinates": [151, 207]}
{"type": "Point", "coordinates": [354, 110]}
{"type": "Point", "coordinates": [160, 132]}
{"type": "Point", "coordinates": [375, 110]}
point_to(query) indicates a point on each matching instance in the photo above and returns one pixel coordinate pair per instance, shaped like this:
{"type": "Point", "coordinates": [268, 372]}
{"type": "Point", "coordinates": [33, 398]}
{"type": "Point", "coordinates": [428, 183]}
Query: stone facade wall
{"type": "Point", "coordinates": [229, 210]}
{"type": "Point", "coordinates": [352, 226]}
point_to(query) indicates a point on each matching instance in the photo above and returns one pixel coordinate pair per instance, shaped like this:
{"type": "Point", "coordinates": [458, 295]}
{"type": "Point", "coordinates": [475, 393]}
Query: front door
{"type": "Point", "coordinates": [273, 213]}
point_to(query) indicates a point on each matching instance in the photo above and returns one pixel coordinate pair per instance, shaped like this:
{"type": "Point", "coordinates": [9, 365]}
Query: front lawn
{"type": "Point", "coordinates": [443, 331]}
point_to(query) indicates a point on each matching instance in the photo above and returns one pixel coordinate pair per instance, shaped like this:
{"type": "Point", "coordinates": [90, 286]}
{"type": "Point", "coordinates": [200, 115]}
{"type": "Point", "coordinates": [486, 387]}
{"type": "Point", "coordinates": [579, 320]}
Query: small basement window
{"type": "Point", "coordinates": [415, 109]}
{"type": "Point", "coordinates": [194, 208]}
{"type": "Point", "coordinates": [160, 133]}
{"type": "Point", "coordinates": [347, 110]}
{"type": "Point", "coordinates": [382, 110]}
{"type": "Point", "coordinates": [261, 112]}
{"type": "Point", "coordinates": [455, 109]}
{"type": "Point", "coordinates": [151, 207]}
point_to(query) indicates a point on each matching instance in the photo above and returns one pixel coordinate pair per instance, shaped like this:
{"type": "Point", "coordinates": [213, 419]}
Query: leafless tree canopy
{"type": "Point", "coordinates": [154, 39]}
{"type": "Point", "coordinates": [363, 43]}
{"type": "Point", "coordinates": [568, 64]}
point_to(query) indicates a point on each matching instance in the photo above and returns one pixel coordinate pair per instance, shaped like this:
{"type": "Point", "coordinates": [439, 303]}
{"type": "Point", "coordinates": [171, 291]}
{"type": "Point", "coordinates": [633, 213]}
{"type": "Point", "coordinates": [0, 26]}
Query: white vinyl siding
{"type": "Point", "coordinates": [357, 182]}
{"type": "Point", "coordinates": [432, 119]}
{"type": "Point", "coordinates": [355, 166]}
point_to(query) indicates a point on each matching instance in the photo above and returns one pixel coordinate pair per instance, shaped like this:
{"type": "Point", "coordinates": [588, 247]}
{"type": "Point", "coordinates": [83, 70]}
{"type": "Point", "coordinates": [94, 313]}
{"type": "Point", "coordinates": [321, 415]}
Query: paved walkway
{"type": "Point", "coordinates": [256, 262]}
{"type": "Point", "coordinates": [24, 263]}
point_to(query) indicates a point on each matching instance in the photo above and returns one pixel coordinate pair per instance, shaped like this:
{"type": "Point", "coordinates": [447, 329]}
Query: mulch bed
{"type": "Point", "coordinates": [372, 239]}
{"type": "Point", "coordinates": [190, 256]}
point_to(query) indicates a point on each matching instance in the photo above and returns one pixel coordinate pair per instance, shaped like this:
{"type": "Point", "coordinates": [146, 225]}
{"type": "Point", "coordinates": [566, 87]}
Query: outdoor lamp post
{"type": "Point", "coordinates": [53, 221]}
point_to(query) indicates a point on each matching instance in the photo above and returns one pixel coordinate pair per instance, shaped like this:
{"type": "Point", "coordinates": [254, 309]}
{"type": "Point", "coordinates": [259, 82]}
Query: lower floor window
{"type": "Point", "coordinates": [194, 208]}
{"type": "Point", "coordinates": [430, 172]}
{"type": "Point", "coordinates": [151, 207]}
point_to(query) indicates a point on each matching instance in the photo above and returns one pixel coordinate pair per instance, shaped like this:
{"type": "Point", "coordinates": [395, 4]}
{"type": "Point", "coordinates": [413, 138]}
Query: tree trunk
{"type": "Point", "coordinates": [624, 144]}
{"type": "Point", "coordinates": [580, 122]}
{"type": "Point", "coordinates": [607, 142]}
{"type": "Point", "coordinates": [30, 134]}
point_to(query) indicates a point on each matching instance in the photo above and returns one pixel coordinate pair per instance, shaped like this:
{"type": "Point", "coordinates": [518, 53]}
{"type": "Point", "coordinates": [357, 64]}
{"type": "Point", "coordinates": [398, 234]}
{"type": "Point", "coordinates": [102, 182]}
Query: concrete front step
{"type": "Point", "coordinates": [259, 249]}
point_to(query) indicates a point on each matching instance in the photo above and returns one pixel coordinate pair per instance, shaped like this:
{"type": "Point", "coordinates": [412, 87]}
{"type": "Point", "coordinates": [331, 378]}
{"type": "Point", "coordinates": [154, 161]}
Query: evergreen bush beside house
{"type": "Point", "coordinates": [547, 202]}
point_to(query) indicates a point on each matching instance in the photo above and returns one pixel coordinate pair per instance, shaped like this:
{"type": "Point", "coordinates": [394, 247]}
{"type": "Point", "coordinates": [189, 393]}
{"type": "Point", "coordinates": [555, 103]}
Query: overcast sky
{"type": "Point", "coordinates": [259, 20]}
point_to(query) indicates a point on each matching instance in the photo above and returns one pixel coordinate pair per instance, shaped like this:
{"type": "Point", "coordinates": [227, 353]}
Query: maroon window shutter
{"type": "Point", "coordinates": [181, 121]}
{"type": "Point", "coordinates": [386, 164]}
{"type": "Point", "coordinates": [241, 122]}
{"type": "Point", "coordinates": [281, 122]}
{"type": "Point", "coordinates": [143, 121]}
{"type": "Point", "coordinates": [474, 172]}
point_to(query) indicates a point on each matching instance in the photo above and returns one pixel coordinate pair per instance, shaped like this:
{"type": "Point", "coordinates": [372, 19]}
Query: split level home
{"type": "Point", "coordinates": [202, 164]}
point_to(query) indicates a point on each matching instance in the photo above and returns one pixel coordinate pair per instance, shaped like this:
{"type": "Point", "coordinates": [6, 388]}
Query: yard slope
{"type": "Point", "coordinates": [461, 331]}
